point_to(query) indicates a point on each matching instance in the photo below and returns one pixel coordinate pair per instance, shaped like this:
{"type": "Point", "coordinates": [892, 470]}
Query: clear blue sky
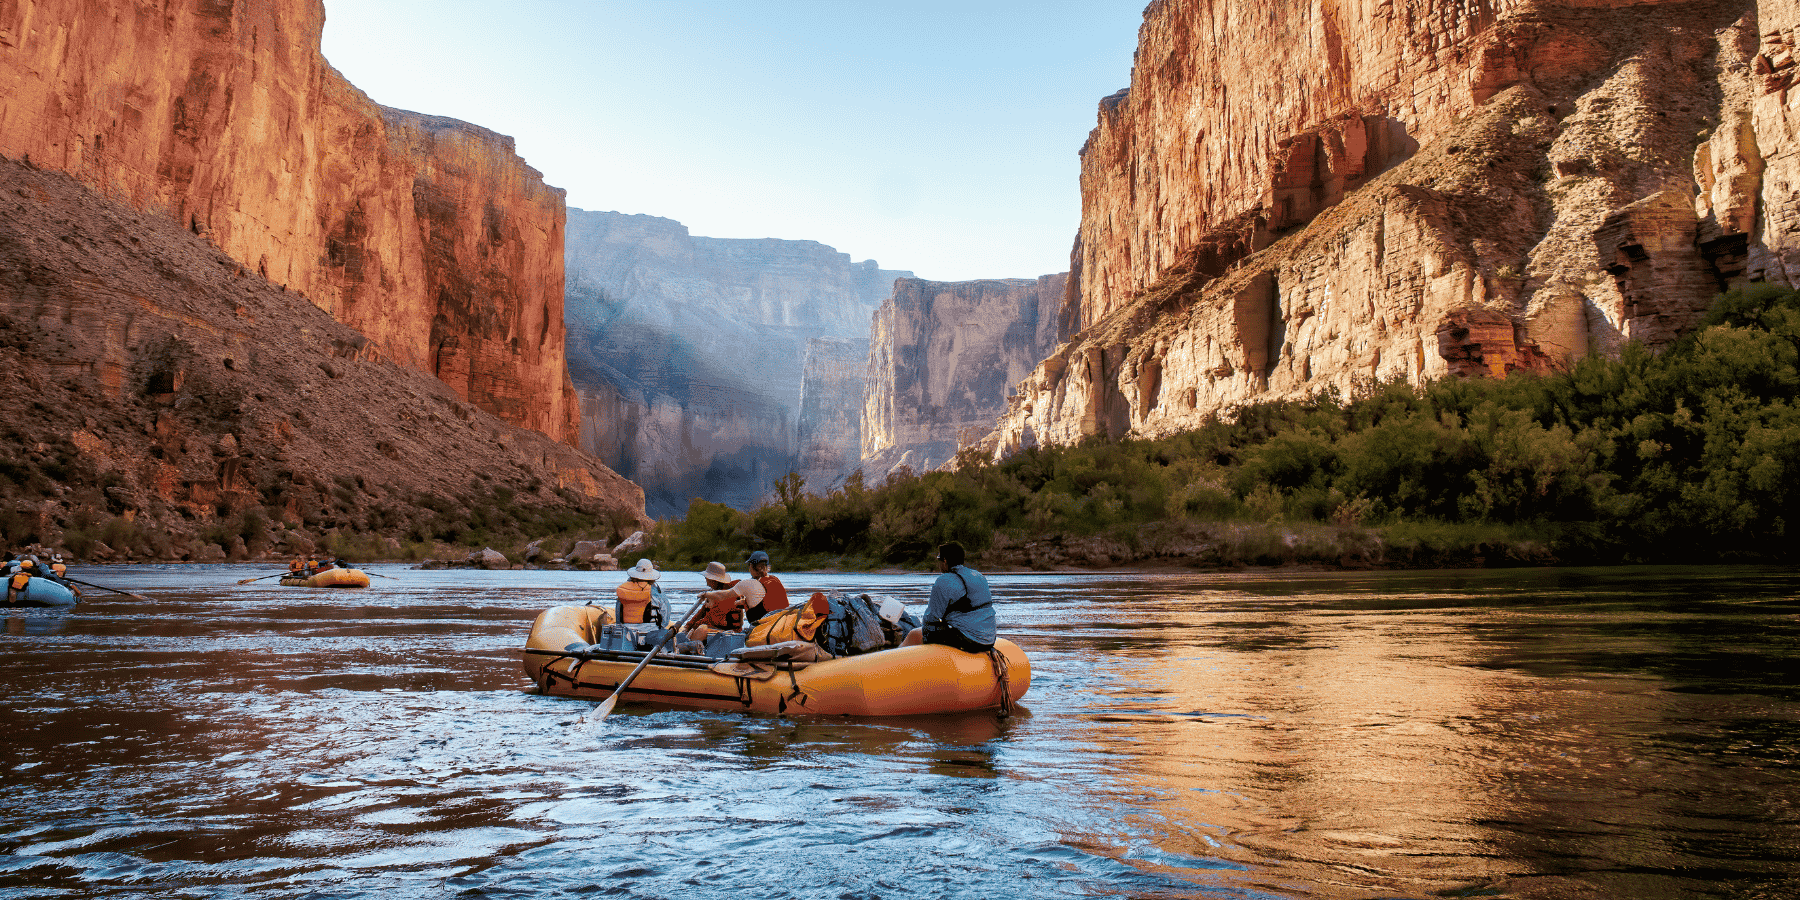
{"type": "Point", "coordinates": [941, 137]}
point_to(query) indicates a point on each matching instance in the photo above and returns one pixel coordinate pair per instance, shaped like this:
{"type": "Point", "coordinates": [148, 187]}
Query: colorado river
{"type": "Point", "coordinates": [1536, 734]}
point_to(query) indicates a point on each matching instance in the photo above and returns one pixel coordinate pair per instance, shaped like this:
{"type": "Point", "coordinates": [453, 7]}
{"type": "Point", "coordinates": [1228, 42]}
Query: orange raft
{"type": "Point", "coordinates": [560, 657]}
{"type": "Point", "coordinates": [339, 577]}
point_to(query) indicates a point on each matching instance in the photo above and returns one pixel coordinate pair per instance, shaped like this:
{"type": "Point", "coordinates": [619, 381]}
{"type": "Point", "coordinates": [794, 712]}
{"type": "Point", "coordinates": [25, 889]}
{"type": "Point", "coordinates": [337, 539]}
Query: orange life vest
{"type": "Point", "coordinates": [724, 612]}
{"type": "Point", "coordinates": [634, 600]}
{"type": "Point", "coordinates": [774, 593]}
{"type": "Point", "coordinates": [59, 569]}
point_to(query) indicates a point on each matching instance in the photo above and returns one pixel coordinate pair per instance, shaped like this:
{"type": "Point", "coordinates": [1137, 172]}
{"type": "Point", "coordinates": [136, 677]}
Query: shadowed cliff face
{"type": "Point", "coordinates": [155, 380]}
{"type": "Point", "coordinates": [428, 235]}
{"type": "Point", "coordinates": [943, 358]}
{"type": "Point", "coordinates": [1342, 195]}
{"type": "Point", "coordinates": [689, 353]}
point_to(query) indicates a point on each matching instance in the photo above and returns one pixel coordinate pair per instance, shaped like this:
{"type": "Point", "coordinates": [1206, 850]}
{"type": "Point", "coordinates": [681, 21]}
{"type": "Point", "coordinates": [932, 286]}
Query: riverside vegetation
{"type": "Point", "coordinates": [1687, 455]}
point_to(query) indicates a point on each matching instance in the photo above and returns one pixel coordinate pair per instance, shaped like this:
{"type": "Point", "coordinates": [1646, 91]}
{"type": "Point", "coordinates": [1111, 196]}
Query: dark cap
{"type": "Point", "coordinates": [951, 552]}
{"type": "Point", "coordinates": [758, 557]}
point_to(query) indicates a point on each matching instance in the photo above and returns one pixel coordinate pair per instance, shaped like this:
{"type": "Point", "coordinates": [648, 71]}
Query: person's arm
{"type": "Point", "coordinates": [944, 591]}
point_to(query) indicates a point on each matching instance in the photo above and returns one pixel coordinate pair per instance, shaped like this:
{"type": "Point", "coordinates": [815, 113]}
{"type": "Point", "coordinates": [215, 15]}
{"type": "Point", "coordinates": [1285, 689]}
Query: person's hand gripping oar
{"type": "Point", "coordinates": [606, 706]}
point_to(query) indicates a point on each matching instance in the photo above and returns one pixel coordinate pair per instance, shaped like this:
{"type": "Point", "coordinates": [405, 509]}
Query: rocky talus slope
{"type": "Point", "coordinates": [428, 235]}
{"type": "Point", "coordinates": [1293, 198]}
{"type": "Point", "coordinates": [167, 402]}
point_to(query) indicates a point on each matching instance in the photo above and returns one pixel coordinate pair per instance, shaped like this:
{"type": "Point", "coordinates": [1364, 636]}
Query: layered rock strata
{"type": "Point", "coordinates": [943, 358]}
{"type": "Point", "coordinates": [202, 410]}
{"type": "Point", "coordinates": [1344, 195]}
{"type": "Point", "coordinates": [689, 352]}
{"type": "Point", "coordinates": [428, 235]}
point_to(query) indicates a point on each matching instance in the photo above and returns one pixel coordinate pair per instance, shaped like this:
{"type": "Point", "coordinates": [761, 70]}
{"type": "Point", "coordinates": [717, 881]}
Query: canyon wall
{"type": "Point", "coordinates": [829, 430]}
{"type": "Point", "coordinates": [689, 353]}
{"type": "Point", "coordinates": [943, 357]}
{"type": "Point", "coordinates": [1294, 197]}
{"type": "Point", "coordinates": [428, 235]}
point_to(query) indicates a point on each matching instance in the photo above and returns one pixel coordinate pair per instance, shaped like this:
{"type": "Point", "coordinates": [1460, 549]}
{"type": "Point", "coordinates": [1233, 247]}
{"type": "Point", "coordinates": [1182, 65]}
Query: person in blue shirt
{"type": "Point", "coordinates": [961, 611]}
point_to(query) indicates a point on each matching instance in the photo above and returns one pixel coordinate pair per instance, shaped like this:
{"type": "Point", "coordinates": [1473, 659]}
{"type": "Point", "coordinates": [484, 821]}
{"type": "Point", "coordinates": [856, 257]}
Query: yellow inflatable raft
{"type": "Point", "coordinates": [339, 577]}
{"type": "Point", "coordinates": [562, 658]}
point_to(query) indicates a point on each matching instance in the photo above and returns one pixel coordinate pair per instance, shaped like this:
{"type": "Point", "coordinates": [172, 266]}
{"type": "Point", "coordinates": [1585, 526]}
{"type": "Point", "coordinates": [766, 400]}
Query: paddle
{"type": "Point", "coordinates": [378, 575]}
{"type": "Point", "coordinates": [105, 588]}
{"type": "Point", "coordinates": [606, 706]}
{"type": "Point", "coordinates": [261, 577]}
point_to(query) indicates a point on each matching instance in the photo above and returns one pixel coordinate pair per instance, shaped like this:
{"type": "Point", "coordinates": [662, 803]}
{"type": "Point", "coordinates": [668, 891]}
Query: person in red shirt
{"type": "Point", "coordinates": [775, 596]}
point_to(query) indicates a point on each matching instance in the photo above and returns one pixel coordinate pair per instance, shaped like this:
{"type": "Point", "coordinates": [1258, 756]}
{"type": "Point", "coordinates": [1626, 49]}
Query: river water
{"type": "Point", "coordinates": [1604, 733]}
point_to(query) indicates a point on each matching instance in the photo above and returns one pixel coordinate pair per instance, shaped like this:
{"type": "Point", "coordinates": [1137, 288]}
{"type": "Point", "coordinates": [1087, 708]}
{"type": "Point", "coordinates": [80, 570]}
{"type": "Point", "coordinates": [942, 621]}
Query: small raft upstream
{"type": "Point", "coordinates": [40, 590]}
{"type": "Point", "coordinates": [576, 651]}
{"type": "Point", "coordinates": [338, 577]}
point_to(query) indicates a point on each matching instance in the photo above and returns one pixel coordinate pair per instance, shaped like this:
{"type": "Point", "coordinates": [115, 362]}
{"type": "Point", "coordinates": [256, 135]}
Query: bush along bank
{"type": "Point", "coordinates": [1688, 455]}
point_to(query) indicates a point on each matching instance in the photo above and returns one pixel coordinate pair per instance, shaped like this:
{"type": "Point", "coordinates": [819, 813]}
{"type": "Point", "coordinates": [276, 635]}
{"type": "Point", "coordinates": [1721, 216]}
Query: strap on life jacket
{"type": "Point", "coordinates": [964, 604]}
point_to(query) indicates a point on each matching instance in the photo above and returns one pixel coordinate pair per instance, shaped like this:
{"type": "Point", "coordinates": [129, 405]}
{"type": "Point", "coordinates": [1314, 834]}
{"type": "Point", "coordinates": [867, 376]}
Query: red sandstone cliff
{"type": "Point", "coordinates": [428, 235]}
{"type": "Point", "coordinates": [1294, 196]}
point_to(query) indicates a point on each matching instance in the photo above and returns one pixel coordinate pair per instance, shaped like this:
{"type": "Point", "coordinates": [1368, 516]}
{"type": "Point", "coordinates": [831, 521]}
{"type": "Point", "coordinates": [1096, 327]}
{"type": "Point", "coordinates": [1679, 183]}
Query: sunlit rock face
{"type": "Point", "coordinates": [428, 235]}
{"type": "Point", "coordinates": [943, 358]}
{"type": "Point", "coordinates": [1292, 198]}
{"type": "Point", "coordinates": [689, 352]}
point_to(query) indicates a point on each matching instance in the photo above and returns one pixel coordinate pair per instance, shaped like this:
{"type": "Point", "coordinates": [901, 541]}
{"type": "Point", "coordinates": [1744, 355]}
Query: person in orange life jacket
{"type": "Point", "coordinates": [639, 597]}
{"type": "Point", "coordinates": [724, 605]}
{"type": "Point", "coordinates": [296, 566]}
{"type": "Point", "coordinates": [57, 566]}
{"type": "Point", "coordinates": [961, 611]}
{"type": "Point", "coordinates": [775, 596]}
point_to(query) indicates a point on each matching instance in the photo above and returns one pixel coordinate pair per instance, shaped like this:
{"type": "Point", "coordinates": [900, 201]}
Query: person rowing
{"type": "Point", "coordinates": [961, 611]}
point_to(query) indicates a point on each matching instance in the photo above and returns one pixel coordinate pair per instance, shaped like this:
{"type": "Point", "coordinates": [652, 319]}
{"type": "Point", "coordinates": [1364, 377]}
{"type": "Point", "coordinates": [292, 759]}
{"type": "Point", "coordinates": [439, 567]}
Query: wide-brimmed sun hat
{"type": "Point", "coordinates": [645, 570]}
{"type": "Point", "coordinates": [715, 571]}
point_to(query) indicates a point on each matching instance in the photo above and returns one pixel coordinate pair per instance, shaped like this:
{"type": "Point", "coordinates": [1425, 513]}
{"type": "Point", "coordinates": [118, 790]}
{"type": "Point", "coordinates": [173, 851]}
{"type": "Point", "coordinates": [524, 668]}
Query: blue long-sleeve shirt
{"type": "Point", "coordinates": [975, 624]}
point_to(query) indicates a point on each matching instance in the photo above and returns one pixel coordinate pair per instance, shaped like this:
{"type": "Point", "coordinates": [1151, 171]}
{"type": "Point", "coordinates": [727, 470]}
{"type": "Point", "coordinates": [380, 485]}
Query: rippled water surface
{"type": "Point", "coordinates": [1554, 734]}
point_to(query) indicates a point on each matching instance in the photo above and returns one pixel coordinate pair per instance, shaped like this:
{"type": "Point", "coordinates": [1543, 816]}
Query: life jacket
{"type": "Point", "coordinates": [774, 594]}
{"type": "Point", "coordinates": [724, 612]}
{"type": "Point", "coordinates": [59, 569]}
{"type": "Point", "coordinates": [20, 580]}
{"type": "Point", "coordinates": [793, 623]}
{"type": "Point", "coordinates": [634, 602]}
{"type": "Point", "coordinates": [296, 566]}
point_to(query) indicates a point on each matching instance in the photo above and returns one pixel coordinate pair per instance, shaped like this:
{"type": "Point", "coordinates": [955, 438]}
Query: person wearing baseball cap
{"type": "Point", "coordinates": [775, 596]}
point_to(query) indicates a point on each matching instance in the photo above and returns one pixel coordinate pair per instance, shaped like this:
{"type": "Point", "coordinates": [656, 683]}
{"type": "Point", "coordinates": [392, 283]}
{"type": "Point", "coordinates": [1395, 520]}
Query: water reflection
{"type": "Point", "coordinates": [1519, 734]}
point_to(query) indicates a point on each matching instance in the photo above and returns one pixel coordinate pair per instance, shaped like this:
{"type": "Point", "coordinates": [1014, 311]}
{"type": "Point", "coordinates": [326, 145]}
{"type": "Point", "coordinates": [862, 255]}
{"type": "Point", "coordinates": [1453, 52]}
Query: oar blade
{"type": "Point", "coordinates": [604, 709]}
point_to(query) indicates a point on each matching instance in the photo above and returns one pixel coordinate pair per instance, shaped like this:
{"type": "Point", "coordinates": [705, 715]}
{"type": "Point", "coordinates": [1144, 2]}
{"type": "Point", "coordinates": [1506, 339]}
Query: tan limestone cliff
{"type": "Point", "coordinates": [942, 358]}
{"type": "Point", "coordinates": [1293, 198]}
{"type": "Point", "coordinates": [428, 235]}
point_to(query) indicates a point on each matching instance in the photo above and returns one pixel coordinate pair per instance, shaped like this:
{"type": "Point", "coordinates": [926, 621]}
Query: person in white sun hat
{"type": "Point", "coordinates": [640, 597]}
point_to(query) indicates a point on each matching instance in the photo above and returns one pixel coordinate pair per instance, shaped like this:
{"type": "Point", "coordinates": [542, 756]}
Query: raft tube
{"type": "Point", "coordinates": [903, 681]}
{"type": "Point", "coordinates": [42, 591]}
{"type": "Point", "coordinates": [338, 577]}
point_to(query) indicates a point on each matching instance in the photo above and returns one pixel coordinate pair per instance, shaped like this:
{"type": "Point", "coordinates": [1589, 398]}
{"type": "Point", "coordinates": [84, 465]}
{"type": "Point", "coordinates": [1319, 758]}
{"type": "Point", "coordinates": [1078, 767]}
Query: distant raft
{"type": "Point", "coordinates": [339, 577]}
{"type": "Point", "coordinates": [40, 590]}
{"type": "Point", "coordinates": [575, 651]}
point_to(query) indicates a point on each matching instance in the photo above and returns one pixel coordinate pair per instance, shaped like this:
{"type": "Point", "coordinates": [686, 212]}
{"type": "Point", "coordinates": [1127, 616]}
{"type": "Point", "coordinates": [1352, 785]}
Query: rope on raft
{"type": "Point", "coordinates": [1001, 673]}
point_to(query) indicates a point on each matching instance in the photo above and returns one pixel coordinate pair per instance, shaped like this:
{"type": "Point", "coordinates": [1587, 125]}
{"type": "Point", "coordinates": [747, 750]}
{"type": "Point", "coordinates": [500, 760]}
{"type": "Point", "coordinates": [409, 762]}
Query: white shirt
{"type": "Point", "coordinates": [750, 590]}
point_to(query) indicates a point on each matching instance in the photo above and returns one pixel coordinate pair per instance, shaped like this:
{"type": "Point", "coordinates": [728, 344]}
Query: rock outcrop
{"type": "Point", "coordinates": [428, 235]}
{"type": "Point", "coordinates": [1343, 195]}
{"type": "Point", "coordinates": [170, 404]}
{"type": "Point", "coordinates": [689, 352]}
{"type": "Point", "coordinates": [943, 357]}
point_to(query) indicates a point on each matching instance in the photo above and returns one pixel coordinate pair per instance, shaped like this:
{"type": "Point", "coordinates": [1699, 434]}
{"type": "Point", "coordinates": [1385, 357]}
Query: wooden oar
{"type": "Point", "coordinates": [606, 706]}
{"type": "Point", "coordinates": [261, 577]}
{"type": "Point", "coordinates": [105, 588]}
